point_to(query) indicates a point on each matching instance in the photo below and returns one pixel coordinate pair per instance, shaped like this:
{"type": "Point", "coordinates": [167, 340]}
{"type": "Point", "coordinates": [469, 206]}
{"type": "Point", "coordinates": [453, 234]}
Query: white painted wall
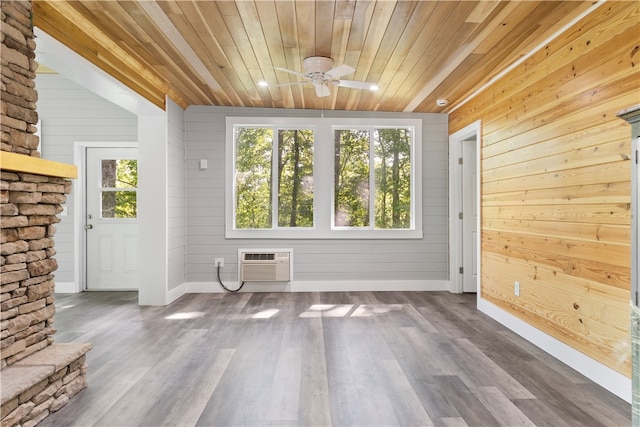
{"type": "Point", "coordinates": [69, 113]}
{"type": "Point", "coordinates": [177, 197]}
{"type": "Point", "coordinates": [153, 151]}
{"type": "Point", "coordinates": [419, 263]}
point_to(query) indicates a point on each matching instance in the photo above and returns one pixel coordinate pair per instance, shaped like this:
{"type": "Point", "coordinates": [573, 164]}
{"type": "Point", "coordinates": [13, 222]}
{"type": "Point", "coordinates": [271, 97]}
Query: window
{"type": "Point", "coordinates": [373, 178]}
{"type": "Point", "coordinates": [119, 182]}
{"type": "Point", "coordinates": [273, 179]}
{"type": "Point", "coordinates": [323, 178]}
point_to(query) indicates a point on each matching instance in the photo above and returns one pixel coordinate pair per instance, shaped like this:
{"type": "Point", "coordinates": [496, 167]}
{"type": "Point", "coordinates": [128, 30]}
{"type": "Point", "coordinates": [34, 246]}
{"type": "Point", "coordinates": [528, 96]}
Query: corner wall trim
{"type": "Point", "coordinates": [597, 372]}
{"type": "Point", "coordinates": [66, 288]}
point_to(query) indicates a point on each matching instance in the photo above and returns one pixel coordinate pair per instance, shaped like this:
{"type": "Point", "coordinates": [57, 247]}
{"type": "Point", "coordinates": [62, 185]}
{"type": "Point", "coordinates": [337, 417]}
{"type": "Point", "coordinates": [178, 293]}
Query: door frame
{"type": "Point", "coordinates": [80, 206]}
{"type": "Point", "coordinates": [455, 203]}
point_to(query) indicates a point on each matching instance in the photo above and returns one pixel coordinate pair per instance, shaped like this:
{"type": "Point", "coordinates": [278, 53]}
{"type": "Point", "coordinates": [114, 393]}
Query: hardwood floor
{"type": "Point", "coordinates": [302, 359]}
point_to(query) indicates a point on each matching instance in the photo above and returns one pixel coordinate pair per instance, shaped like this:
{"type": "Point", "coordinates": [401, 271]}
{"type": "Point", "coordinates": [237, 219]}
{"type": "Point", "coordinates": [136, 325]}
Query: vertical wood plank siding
{"type": "Point", "coordinates": [556, 170]}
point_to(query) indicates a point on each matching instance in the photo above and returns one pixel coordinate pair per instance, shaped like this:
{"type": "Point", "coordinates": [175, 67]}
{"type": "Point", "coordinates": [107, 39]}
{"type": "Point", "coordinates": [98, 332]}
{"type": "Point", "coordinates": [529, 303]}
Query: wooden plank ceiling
{"type": "Point", "coordinates": [215, 52]}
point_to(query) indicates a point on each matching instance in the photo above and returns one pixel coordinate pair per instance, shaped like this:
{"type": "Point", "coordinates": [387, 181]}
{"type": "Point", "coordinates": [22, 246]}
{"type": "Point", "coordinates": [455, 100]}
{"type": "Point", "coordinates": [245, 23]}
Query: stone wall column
{"type": "Point", "coordinates": [37, 376]}
{"type": "Point", "coordinates": [18, 117]}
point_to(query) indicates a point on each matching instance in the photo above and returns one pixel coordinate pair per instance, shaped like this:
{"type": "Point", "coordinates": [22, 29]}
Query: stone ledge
{"type": "Point", "coordinates": [22, 375]}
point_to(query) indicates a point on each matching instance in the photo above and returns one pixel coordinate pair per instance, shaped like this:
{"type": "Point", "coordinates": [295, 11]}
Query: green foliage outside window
{"type": "Point", "coordinates": [392, 175]}
{"type": "Point", "coordinates": [254, 178]}
{"type": "Point", "coordinates": [274, 182]}
{"type": "Point", "coordinates": [254, 148]}
{"type": "Point", "coordinates": [351, 178]}
{"type": "Point", "coordinates": [295, 178]}
{"type": "Point", "coordinates": [119, 184]}
{"type": "Point", "coordinates": [392, 148]}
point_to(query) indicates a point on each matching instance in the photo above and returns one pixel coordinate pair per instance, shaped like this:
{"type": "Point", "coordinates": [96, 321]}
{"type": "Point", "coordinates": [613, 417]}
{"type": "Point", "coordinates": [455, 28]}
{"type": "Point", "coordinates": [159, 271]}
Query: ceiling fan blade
{"type": "Point", "coordinates": [322, 91]}
{"type": "Point", "coordinates": [354, 84]}
{"type": "Point", "coordinates": [340, 70]}
{"type": "Point", "coordinates": [289, 71]}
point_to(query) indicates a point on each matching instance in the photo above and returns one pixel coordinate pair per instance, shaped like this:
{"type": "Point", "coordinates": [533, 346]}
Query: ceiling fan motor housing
{"type": "Point", "coordinates": [317, 65]}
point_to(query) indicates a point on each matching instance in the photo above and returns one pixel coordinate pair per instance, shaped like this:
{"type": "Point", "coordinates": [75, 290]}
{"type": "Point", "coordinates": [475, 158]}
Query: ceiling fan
{"type": "Point", "coordinates": [319, 71]}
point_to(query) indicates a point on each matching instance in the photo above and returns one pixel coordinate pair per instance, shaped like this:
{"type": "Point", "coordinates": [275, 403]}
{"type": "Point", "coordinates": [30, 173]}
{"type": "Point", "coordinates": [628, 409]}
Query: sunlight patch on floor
{"type": "Point", "coordinates": [327, 310]}
{"type": "Point", "coordinates": [266, 314]}
{"type": "Point", "coordinates": [184, 316]}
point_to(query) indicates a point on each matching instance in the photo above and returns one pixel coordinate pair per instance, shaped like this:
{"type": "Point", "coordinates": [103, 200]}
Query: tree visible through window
{"type": "Point", "coordinates": [295, 178]}
{"type": "Point", "coordinates": [254, 148]}
{"type": "Point", "coordinates": [352, 178]}
{"type": "Point", "coordinates": [383, 199]}
{"type": "Point", "coordinates": [257, 185]}
{"type": "Point", "coordinates": [392, 148]}
{"type": "Point", "coordinates": [119, 188]}
{"type": "Point", "coordinates": [323, 177]}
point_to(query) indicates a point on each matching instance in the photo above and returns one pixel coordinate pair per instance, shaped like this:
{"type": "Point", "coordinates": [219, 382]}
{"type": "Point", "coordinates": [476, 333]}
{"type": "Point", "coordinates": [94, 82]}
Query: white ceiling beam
{"type": "Point", "coordinates": [68, 63]}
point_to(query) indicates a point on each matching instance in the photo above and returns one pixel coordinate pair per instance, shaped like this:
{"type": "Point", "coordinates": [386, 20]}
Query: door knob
{"type": "Point", "coordinates": [88, 226]}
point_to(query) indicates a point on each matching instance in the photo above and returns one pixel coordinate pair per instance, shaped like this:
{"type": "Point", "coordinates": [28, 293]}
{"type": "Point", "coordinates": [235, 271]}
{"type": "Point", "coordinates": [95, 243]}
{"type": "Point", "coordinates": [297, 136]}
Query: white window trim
{"type": "Point", "coordinates": [323, 162]}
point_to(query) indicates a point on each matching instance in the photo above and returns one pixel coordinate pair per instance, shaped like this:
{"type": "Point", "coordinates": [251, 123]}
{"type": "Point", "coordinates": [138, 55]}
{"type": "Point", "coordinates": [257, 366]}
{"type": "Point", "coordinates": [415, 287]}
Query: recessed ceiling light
{"type": "Point", "coordinates": [442, 102]}
{"type": "Point", "coordinates": [263, 83]}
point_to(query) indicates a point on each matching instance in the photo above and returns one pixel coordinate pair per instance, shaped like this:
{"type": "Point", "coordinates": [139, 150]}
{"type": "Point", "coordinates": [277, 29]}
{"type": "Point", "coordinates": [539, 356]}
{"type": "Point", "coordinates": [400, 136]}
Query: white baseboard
{"type": "Point", "coordinates": [311, 286]}
{"type": "Point", "coordinates": [66, 288]}
{"type": "Point", "coordinates": [597, 372]}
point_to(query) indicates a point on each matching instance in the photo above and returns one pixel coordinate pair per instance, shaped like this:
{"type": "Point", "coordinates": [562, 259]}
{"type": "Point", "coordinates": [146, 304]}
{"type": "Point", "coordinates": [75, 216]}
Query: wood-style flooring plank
{"type": "Point", "coordinates": [453, 422]}
{"type": "Point", "coordinates": [501, 407]}
{"type": "Point", "coordinates": [466, 403]}
{"type": "Point", "coordinates": [316, 359]}
{"type": "Point", "coordinates": [189, 406]}
{"type": "Point", "coordinates": [407, 406]}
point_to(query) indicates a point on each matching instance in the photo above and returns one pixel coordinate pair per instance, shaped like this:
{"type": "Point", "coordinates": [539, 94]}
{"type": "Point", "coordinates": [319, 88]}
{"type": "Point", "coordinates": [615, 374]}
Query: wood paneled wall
{"type": "Point", "coordinates": [556, 171]}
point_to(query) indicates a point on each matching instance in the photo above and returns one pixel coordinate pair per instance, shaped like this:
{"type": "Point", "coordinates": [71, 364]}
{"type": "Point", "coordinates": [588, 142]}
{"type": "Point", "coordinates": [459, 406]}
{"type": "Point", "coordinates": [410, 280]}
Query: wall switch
{"type": "Point", "coordinates": [516, 288]}
{"type": "Point", "coordinates": [219, 262]}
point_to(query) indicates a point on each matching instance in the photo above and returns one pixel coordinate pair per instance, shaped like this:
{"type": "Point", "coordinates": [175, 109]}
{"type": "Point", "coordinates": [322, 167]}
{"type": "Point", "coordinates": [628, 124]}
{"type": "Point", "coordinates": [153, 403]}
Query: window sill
{"type": "Point", "coordinates": [311, 234]}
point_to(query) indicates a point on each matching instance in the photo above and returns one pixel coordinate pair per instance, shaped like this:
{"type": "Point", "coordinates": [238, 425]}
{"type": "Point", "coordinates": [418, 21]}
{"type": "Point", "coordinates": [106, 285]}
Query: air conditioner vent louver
{"type": "Point", "coordinates": [265, 266]}
{"type": "Point", "coordinates": [259, 257]}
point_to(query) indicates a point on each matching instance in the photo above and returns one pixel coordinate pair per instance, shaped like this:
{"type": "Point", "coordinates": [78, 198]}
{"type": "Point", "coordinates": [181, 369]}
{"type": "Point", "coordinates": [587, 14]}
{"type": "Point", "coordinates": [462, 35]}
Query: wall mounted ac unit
{"type": "Point", "coordinates": [265, 265]}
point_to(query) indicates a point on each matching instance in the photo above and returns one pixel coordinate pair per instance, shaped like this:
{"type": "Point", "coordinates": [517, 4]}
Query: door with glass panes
{"type": "Point", "coordinates": [111, 222]}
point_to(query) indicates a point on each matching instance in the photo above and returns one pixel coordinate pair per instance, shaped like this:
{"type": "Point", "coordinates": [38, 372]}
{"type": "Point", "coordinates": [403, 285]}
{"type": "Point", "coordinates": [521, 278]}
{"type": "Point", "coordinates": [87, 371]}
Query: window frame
{"type": "Point", "coordinates": [323, 179]}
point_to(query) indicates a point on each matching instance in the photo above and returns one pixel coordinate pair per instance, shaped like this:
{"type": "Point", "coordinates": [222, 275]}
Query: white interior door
{"type": "Point", "coordinates": [111, 218]}
{"type": "Point", "coordinates": [470, 216]}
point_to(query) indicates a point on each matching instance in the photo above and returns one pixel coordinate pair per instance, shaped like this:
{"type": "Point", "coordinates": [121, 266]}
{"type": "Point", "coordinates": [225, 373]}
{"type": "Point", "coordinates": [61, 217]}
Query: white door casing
{"type": "Point", "coordinates": [464, 179]}
{"type": "Point", "coordinates": [111, 223]}
{"type": "Point", "coordinates": [635, 238]}
{"type": "Point", "coordinates": [470, 218]}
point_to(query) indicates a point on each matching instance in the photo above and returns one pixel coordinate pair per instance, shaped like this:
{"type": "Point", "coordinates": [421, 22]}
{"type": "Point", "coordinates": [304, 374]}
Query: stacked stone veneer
{"type": "Point", "coordinates": [37, 377]}
{"type": "Point", "coordinates": [18, 66]}
{"type": "Point", "coordinates": [29, 205]}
